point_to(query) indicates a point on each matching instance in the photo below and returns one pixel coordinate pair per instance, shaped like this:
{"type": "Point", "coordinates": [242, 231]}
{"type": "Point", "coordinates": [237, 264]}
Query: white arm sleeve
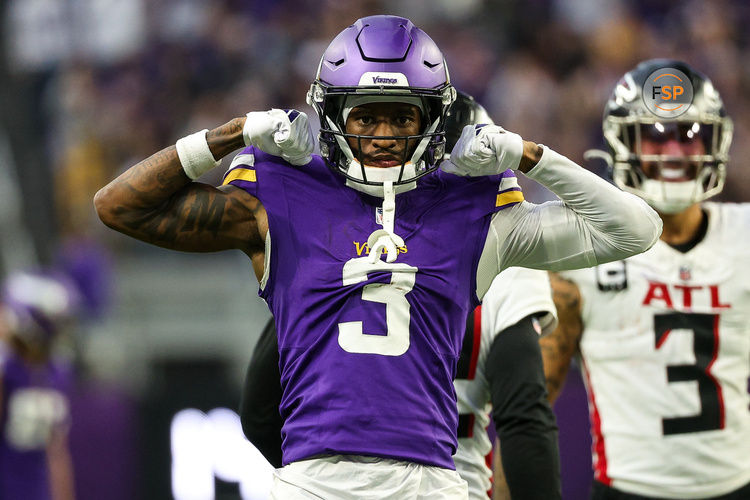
{"type": "Point", "coordinates": [594, 223]}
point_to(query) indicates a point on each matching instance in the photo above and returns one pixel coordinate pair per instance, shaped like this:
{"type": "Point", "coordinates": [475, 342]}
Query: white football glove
{"type": "Point", "coordinates": [280, 132]}
{"type": "Point", "coordinates": [484, 150]}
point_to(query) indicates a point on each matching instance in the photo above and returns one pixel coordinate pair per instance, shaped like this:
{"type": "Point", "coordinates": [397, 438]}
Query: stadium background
{"type": "Point", "coordinates": [88, 87]}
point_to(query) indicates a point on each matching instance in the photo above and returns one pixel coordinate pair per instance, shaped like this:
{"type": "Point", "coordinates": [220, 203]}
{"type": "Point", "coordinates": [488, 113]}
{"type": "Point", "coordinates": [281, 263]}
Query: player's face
{"type": "Point", "coordinates": [678, 142]}
{"type": "Point", "coordinates": [384, 120]}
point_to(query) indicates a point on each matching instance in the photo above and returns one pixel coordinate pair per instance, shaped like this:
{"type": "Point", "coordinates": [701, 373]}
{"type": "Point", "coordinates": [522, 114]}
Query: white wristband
{"type": "Point", "coordinates": [195, 156]}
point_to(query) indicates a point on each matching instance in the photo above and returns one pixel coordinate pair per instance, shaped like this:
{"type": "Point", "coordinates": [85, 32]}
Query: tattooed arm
{"type": "Point", "coordinates": [559, 346]}
{"type": "Point", "coordinates": [154, 201]}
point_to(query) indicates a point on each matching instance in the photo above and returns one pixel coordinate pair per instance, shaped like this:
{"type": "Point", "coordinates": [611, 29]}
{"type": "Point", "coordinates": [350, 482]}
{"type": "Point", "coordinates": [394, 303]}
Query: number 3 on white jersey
{"type": "Point", "coordinates": [396, 340]}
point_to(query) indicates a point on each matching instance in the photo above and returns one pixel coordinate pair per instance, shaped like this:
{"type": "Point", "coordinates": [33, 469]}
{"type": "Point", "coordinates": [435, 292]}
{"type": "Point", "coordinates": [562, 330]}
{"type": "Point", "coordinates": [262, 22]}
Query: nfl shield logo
{"type": "Point", "coordinates": [379, 215]}
{"type": "Point", "coordinates": [684, 273]}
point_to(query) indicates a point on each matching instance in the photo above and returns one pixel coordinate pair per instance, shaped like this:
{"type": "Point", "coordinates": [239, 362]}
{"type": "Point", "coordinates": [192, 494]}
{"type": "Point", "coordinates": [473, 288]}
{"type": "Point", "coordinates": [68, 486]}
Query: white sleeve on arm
{"type": "Point", "coordinates": [594, 223]}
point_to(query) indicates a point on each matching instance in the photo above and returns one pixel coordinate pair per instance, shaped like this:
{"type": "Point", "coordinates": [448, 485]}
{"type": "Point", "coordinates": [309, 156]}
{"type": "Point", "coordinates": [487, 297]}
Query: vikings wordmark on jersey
{"type": "Point", "coordinates": [665, 360]}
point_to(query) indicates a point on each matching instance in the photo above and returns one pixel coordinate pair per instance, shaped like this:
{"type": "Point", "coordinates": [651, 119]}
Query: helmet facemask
{"type": "Point", "coordinates": [342, 151]}
{"type": "Point", "coordinates": [670, 183]}
{"type": "Point", "coordinates": [670, 162]}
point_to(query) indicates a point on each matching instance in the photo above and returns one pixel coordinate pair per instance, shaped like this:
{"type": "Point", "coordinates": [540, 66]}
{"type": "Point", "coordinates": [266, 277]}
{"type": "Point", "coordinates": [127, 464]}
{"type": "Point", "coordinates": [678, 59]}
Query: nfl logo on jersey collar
{"type": "Point", "coordinates": [379, 215]}
{"type": "Point", "coordinates": [684, 272]}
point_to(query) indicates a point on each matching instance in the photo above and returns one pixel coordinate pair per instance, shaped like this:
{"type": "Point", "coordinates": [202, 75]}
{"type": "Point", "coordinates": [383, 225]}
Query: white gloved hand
{"type": "Point", "coordinates": [279, 132]}
{"type": "Point", "coordinates": [484, 150]}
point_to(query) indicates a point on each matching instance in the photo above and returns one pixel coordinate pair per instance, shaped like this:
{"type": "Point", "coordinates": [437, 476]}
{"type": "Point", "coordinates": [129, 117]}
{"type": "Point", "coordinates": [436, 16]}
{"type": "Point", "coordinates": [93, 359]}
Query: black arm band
{"type": "Point", "coordinates": [261, 396]}
{"type": "Point", "coordinates": [524, 420]}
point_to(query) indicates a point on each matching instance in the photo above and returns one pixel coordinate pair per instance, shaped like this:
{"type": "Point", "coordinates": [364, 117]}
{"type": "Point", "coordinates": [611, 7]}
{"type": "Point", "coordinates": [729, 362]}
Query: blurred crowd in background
{"type": "Point", "coordinates": [109, 82]}
{"type": "Point", "coordinates": [89, 87]}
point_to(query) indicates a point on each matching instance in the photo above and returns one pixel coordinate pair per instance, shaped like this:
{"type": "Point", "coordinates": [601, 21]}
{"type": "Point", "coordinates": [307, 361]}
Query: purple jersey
{"type": "Point", "coordinates": [368, 352]}
{"type": "Point", "coordinates": [33, 405]}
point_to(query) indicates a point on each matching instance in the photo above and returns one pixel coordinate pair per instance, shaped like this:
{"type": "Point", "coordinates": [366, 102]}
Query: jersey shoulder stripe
{"type": "Point", "coordinates": [508, 180]}
{"type": "Point", "coordinates": [508, 198]}
{"type": "Point", "coordinates": [241, 170]}
{"type": "Point", "coordinates": [509, 192]}
{"type": "Point", "coordinates": [240, 174]}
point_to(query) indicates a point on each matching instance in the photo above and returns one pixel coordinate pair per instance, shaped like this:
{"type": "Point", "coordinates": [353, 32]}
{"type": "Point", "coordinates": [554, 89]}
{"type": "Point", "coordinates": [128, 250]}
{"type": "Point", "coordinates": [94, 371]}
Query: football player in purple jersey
{"type": "Point", "coordinates": [35, 461]}
{"type": "Point", "coordinates": [500, 362]}
{"type": "Point", "coordinates": [369, 256]}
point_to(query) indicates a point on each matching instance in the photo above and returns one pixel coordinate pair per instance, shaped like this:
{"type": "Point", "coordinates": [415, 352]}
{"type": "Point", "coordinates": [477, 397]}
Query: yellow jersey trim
{"type": "Point", "coordinates": [508, 197]}
{"type": "Point", "coordinates": [240, 174]}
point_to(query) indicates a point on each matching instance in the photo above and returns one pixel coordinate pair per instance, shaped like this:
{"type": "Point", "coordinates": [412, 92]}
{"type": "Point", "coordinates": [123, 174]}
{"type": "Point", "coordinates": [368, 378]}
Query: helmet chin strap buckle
{"type": "Point", "coordinates": [385, 239]}
{"type": "Point", "coordinates": [381, 240]}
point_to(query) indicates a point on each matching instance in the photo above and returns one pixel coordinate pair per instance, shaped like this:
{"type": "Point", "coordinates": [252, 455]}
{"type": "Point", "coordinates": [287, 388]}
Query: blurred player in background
{"type": "Point", "coordinates": [35, 461]}
{"type": "Point", "coordinates": [373, 413]}
{"type": "Point", "coordinates": [500, 363]}
{"type": "Point", "coordinates": [664, 337]}
{"type": "Point", "coordinates": [500, 371]}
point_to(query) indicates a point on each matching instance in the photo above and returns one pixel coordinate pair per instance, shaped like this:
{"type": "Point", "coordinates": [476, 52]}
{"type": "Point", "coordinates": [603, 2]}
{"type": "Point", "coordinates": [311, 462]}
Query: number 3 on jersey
{"type": "Point", "coordinates": [706, 348]}
{"type": "Point", "coordinates": [395, 342]}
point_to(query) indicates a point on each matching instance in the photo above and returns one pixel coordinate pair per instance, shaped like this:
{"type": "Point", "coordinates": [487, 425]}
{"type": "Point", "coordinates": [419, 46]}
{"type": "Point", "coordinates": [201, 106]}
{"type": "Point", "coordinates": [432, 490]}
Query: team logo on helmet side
{"type": "Point", "coordinates": [626, 90]}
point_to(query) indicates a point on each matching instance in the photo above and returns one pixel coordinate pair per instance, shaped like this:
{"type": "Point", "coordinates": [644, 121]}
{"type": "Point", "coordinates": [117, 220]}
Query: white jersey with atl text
{"type": "Point", "coordinates": [514, 294]}
{"type": "Point", "coordinates": [666, 360]}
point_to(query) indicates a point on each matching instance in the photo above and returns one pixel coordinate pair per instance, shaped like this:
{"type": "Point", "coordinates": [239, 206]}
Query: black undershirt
{"type": "Point", "coordinates": [689, 245]}
{"type": "Point", "coordinates": [261, 396]}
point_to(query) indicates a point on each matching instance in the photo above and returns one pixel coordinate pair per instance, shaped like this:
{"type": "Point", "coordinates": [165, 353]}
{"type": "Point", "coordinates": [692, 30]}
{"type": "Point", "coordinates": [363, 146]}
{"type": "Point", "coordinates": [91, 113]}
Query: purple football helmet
{"type": "Point", "coordinates": [36, 305]}
{"type": "Point", "coordinates": [382, 58]}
